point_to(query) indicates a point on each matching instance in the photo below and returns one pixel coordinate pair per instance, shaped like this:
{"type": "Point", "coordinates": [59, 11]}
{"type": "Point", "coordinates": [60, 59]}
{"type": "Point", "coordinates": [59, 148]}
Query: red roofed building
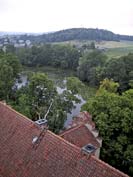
{"type": "Point", "coordinates": [27, 151]}
{"type": "Point", "coordinates": [81, 136]}
{"type": "Point", "coordinates": [82, 118]}
{"type": "Point", "coordinates": [82, 132]}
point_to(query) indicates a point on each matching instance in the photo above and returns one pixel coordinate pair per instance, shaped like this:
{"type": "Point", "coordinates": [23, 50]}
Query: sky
{"type": "Point", "coordinates": [53, 15]}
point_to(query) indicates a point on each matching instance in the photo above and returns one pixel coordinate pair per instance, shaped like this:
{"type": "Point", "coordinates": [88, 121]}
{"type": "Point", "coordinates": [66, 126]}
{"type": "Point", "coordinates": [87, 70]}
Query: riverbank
{"type": "Point", "coordinates": [58, 75]}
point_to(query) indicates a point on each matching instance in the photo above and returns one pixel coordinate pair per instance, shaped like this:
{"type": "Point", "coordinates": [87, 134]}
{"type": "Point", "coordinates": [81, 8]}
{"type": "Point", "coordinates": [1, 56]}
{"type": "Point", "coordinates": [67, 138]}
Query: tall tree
{"type": "Point", "coordinates": [113, 115]}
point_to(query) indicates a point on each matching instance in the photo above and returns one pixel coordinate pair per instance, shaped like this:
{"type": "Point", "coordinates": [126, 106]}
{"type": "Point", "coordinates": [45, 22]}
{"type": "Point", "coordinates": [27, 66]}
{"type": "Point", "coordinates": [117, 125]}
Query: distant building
{"type": "Point", "coordinates": [19, 45]}
{"type": "Point", "coordinates": [21, 41]}
{"type": "Point", "coordinates": [28, 42]}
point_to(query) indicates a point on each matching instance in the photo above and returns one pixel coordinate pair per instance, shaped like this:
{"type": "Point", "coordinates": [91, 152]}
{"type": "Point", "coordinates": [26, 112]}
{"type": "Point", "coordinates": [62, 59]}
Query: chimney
{"type": "Point", "coordinates": [88, 149]}
{"type": "Point", "coordinates": [42, 123]}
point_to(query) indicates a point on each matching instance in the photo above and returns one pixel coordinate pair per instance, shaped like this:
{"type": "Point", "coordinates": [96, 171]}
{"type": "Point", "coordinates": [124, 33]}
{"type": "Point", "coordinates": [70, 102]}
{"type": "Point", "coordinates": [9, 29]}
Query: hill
{"type": "Point", "coordinates": [78, 34]}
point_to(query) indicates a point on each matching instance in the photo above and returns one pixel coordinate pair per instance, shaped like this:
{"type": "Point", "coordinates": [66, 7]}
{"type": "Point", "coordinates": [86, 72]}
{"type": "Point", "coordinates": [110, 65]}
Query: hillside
{"type": "Point", "coordinates": [78, 34]}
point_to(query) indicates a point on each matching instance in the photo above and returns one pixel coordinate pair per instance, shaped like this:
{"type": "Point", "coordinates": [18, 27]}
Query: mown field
{"type": "Point", "coordinates": [111, 48]}
{"type": "Point", "coordinates": [116, 49]}
{"type": "Point", "coordinates": [117, 52]}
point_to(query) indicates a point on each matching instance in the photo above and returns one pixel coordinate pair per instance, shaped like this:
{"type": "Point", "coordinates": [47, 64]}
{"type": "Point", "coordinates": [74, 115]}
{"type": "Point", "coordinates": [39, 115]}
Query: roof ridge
{"type": "Point", "coordinates": [71, 129]}
{"type": "Point", "coordinates": [109, 166]}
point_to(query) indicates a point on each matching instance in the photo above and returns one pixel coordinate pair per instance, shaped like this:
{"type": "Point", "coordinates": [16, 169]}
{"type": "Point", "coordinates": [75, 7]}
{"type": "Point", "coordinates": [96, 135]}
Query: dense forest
{"type": "Point", "coordinates": [77, 34]}
{"type": "Point", "coordinates": [111, 107]}
{"type": "Point", "coordinates": [63, 56]}
{"type": "Point", "coordinates": [95, 66]}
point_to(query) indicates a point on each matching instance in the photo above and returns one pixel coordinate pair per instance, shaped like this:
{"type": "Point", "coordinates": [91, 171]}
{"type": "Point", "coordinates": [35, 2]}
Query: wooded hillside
{"type": "Point", "coordinates": [78, 34]}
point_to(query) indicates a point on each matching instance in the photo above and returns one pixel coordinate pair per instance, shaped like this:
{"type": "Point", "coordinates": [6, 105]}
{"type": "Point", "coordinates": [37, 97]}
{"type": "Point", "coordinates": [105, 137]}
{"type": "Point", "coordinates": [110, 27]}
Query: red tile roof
{"type": "Point", "coordinates": [53, 157]}
{"type": "Point", "coordinates": [82, 118]}
{"type": "Point", "coordinates": [80, 136]}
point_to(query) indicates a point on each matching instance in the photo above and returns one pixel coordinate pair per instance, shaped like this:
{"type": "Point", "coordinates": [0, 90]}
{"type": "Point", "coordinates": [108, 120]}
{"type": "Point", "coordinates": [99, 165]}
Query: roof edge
{"type": "Point", "coordinates": [50, 132]}
{"type": "Point", "coordinates": [70, 129]}
{"type": "Point", "coordinates": [109, 166]}
{"type": "Point", "coordinates": [18, 113]}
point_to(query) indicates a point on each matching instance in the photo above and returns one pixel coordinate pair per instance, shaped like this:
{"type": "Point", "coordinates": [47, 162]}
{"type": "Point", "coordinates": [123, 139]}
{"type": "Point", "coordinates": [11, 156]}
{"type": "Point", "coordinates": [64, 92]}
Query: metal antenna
{"type": "Point", "coordinates": [36, 140]}
{"type": "Point", "coordinates": [45, 116]}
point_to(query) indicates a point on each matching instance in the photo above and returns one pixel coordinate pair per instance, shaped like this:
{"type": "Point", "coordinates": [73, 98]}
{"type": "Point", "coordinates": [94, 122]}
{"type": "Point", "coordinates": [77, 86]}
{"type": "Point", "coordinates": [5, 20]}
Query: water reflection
{"type": "Point", "coordinates": [75, 111]}
{"type": "Point", "coordinates": [60, 84]}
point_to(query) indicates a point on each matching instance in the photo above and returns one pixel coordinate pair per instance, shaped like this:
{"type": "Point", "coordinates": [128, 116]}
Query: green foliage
{"type": "Point", "coordinates": [10, 49]}
{"type": "Point", "coordinates": [94, 67]}
{"type": "Point", "coordinates": [89, 46]}
{"type": "Point", "coordinates": [23, 105]}
{"type": "Point", "coordinates": [62, 104]}
{"type": "Point", "coordinates": [63, 56]}
{"type": "Point", "coordinates": [92, 45]}
{"type": "Point", "coordinates": [120, 70]}
{"type": "Point", "coordinates": [90, 67]}
{"type": "Point", "coordinates": [41, 92]}
{"type": "Point", "coordinates": [36, 96]}
{"type": "Point", "coordinates": [9, 69]}
{"type": "Point", "coordinates": [113, 115]}
{"type": "Point", "coordinates": [74, 85]}
{"type": "Point", "coordinates": [108, 85]}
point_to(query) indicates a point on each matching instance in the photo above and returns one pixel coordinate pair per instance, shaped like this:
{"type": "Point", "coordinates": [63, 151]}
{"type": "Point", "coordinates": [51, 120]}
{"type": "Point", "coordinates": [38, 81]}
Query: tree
{"type": "Point", "coordinates": [23, 105]}
{"type": "Point", "coordinates": [113, 115]}
{"type": "Point", "coordinates": [108, 85]}
{"type": "Point", "coordinates": [92, 45]}
{"type": "Point", "coordinates": [74, 85]}
{"type": "Point", "coordinates": [10, 49]}
{"type": "Point", "coordinates": [120, 70]}
{"type": "Point", "coordinates": [63, 56]}
{"type": "Point", "coordinates": [41, 92]}
{"type": "Point", "coordinates": [90, 67]}
{"type": "Point", "coordinates": [9, 70]}
{"type": "Point", "coordinates": [34, 100]}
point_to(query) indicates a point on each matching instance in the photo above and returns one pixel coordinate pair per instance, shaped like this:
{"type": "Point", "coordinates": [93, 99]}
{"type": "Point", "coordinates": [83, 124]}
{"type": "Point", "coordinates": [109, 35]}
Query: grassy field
{"type": "Point", "coordinates": [114, 44]}
{"type": "Point", "coordinates": [117, 52]}
{"type": "Point", "coordinates": [116, 49]}
{"type": "Point", "coordinates": [112, 48]}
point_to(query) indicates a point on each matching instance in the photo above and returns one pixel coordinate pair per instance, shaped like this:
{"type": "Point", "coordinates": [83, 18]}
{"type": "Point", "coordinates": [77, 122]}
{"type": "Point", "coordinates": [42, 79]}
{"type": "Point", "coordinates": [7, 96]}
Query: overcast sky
{"type": "Point", "coordinates": [53, 15]}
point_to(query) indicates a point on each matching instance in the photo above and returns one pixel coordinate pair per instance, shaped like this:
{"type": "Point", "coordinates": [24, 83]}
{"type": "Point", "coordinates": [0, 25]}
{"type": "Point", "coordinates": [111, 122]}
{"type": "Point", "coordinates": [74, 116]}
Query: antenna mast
{"type": "Point", "coordinates": [45, 116]}
{"type": "Point", "coordinates": [42, 122]}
